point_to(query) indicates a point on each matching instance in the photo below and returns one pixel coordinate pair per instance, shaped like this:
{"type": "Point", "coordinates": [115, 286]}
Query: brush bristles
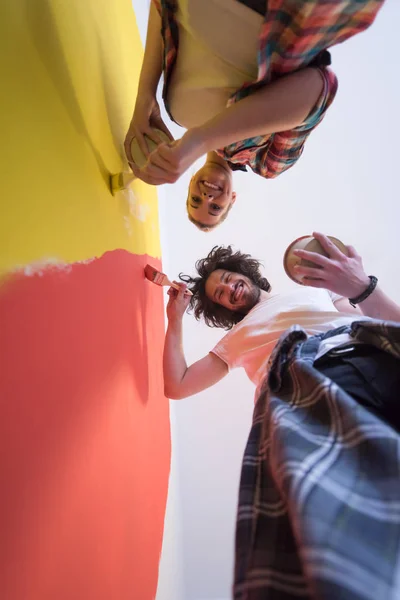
{"type": "Point", "coordinates": [153, 275]}
{"type": "Point", "coordinates": [158, 278]}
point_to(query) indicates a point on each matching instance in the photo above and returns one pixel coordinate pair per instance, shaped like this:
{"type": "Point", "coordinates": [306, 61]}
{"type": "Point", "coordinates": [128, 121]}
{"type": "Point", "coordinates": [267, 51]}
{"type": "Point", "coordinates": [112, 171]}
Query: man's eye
{"type": "Point", "coordinates": [196, 200]}
{"type": "Point", "coordinates": [215, 207]}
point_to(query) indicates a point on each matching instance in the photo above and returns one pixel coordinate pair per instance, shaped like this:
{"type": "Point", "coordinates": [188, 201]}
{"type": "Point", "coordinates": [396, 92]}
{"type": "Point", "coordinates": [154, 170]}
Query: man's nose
{"type": "Point", "coordinates": [230, 287]}
{"type": "Point", "coordinates": [208, 195]}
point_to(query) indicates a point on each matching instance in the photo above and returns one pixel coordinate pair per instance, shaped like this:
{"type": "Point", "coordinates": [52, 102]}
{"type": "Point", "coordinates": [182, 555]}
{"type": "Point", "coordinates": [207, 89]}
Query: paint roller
{"type": "Point", "coordinates": [120, 181]}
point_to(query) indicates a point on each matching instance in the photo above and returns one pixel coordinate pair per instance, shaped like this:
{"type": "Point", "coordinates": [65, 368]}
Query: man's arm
{"type": "Point", "coordinates": [345, 275]}
{"type": "Point", "coordinates": [379, 306]}
{"type": "Point", "coordinates": [181, 381]}
{"type": "Point", "coordinates": [344, 306]}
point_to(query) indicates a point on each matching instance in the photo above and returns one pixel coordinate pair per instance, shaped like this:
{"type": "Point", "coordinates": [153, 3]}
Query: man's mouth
{"type": "Point", "coordinates": [211, 186]}
{"type": "Point", "coordinates": [237, 292]}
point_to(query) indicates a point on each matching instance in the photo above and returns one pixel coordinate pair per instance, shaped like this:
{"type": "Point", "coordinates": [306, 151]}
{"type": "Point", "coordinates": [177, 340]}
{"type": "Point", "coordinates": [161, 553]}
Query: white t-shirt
{"type": "Point", "coordinates": [250, 343]}
{"type": "Point", "coordinates": [218, 44]}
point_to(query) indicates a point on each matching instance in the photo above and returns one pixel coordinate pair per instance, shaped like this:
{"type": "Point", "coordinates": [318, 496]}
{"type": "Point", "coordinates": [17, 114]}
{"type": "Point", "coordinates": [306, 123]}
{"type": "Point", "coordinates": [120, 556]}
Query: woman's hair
{"type": "Point", "coordinates": [225, 258]}
{"type": "Point", "coordinates": [203, 226]}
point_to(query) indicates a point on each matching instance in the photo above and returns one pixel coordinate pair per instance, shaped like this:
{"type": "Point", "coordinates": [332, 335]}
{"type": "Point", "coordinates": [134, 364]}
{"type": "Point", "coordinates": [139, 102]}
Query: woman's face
{"type": "Point", "coordinates": [210, 194]}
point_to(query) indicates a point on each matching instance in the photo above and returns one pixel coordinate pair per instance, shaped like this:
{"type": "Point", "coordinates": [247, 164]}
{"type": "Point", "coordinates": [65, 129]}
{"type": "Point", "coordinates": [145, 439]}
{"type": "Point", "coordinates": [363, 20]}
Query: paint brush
{"type": "Point", "coordinates": [161, 279]}
{"type": "Point", "coordinates": [120, 181]}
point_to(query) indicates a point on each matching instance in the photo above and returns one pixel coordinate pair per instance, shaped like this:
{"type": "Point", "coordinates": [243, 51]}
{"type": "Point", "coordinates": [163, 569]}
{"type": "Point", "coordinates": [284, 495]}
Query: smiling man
{"type": "Point", "coordinates": [233, 291]}
{"type": "Point", "coordinates": [210, 196]}
{"type": "Point", "coordinates": [320, 493]}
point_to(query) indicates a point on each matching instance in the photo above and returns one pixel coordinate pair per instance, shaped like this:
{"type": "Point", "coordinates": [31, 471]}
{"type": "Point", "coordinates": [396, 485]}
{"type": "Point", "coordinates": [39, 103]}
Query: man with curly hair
{"type": "Point", "coordinates": [319, 500]}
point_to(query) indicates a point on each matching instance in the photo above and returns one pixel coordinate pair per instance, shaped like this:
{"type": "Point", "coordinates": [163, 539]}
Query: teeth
{"type": "Point", "coordinates": [211, 185]}
{"type": "Point", "coordinates": [238, 291]}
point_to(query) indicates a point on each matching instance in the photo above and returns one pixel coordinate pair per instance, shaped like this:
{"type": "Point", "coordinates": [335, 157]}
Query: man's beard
{"type": "Point", "coordinates": [252, 298]}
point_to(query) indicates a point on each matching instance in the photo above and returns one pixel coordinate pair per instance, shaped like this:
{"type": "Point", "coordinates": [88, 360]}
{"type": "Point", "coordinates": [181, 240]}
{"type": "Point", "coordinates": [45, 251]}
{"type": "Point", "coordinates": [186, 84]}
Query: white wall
{"type": "Point", "coordinates": [346, 184]}
{"type": "Point", "coordinates": [170, 577]}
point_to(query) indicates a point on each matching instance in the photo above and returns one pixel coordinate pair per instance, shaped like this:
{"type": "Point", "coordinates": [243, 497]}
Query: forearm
{"type": "Point", "coordinates": [379, 306]}
{"type": "Point", "coordinates": [279, 106]}
{"type": "Point", "coordinates": [152, 62]}
{"type": "Point", "coordinates": [174, 363]}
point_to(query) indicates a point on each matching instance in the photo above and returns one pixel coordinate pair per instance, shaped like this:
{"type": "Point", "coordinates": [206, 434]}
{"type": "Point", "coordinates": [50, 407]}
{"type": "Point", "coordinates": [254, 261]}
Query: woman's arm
{"type": "Point", "coordinates": [278, 106]}
{"type": "Point", "coordinates": [152, 61]}
{"type": "Point", "coordinates": [147, 114]}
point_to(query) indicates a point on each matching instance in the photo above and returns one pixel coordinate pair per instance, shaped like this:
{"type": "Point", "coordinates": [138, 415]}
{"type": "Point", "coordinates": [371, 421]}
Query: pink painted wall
{"type": "Point", "coordinates": [84, 432]}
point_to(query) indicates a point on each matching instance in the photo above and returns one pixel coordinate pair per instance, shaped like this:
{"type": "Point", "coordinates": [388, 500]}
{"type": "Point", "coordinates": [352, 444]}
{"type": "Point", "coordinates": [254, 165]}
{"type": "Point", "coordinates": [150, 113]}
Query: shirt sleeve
{"type": "Point", "coordinates": [324, 101]}
{"type": "Point", "coordinates": [334, 297]}
{"type": "Point", "coordinates": [226, 350]}
{"type": "Point", "coordinates": [284, 149]}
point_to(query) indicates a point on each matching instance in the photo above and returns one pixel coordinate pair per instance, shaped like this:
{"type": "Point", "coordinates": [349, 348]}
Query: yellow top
{"type": "Point", "coordinates": [218, 42]}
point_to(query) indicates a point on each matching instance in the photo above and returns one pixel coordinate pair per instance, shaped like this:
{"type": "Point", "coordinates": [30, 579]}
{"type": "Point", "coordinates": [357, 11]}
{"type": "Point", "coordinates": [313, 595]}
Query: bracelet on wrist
{"type": "Point", "coordinates": [373, 281]}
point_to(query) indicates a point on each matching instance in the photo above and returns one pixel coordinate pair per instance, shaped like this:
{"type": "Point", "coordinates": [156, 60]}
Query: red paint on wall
{"type": "Point", "coordinates": [84, 432]}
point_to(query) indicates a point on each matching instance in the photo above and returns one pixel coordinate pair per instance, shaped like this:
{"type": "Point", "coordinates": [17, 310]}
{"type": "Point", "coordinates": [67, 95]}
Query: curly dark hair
{"type": "Point", "coordinates": [221, 257]}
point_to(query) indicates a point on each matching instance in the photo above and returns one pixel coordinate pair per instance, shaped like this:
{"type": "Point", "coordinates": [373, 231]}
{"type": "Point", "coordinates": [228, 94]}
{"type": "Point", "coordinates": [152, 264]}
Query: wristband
{"type": "Point", "coordinates": [373, 281]}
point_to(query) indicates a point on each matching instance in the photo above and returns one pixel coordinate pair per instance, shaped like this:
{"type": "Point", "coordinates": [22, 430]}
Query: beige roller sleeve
{"type": "Point", "coordinates": [121, 181]}
{"type": "Point", "coordinates": [309, 243]}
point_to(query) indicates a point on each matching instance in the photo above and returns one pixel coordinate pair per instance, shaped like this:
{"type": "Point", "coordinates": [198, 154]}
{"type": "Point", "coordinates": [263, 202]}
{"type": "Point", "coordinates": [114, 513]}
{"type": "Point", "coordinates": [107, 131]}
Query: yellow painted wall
{"type": "Point", "coordinates": [69, 74]}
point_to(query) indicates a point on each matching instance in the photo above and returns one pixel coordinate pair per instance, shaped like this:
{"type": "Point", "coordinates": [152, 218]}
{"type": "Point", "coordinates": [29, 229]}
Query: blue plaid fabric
{"type": "Point", "coordinates": [319, 500]}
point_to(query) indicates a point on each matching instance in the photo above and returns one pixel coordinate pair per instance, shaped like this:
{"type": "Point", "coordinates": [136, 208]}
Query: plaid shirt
{"type": "Point", "coordinates": [294, 35]}
{"type": "Point", "coordinates": [319, 499]}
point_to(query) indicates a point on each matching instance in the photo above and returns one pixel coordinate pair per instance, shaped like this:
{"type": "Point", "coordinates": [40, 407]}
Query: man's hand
{"type": "Point", "coordinates": [341, 274]}
{"type": "Point", "coordinates": [177, 303]}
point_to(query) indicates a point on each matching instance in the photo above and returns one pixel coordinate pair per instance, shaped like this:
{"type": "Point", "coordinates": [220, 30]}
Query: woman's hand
{"type": "Point", "coordinates": [146, 117]}
{"type": "Point", "coordinates": [177, 303]}
{"type": "Point", "coordinates": [341, 274]}
{"type": "Point", "coordinates": [168, 162]}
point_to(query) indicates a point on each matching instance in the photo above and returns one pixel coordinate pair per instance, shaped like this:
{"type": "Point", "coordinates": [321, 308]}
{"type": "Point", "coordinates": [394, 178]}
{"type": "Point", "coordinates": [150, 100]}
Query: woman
{"type": "Point", "coordinates": [248, 79]}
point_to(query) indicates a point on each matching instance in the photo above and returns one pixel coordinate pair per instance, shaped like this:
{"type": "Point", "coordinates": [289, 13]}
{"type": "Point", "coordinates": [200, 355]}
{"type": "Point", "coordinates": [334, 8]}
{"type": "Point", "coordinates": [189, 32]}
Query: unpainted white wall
{"type": "Point", "coordinates": [346, 184]}
{"type": "Point", "coordinates": [170, 577]}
